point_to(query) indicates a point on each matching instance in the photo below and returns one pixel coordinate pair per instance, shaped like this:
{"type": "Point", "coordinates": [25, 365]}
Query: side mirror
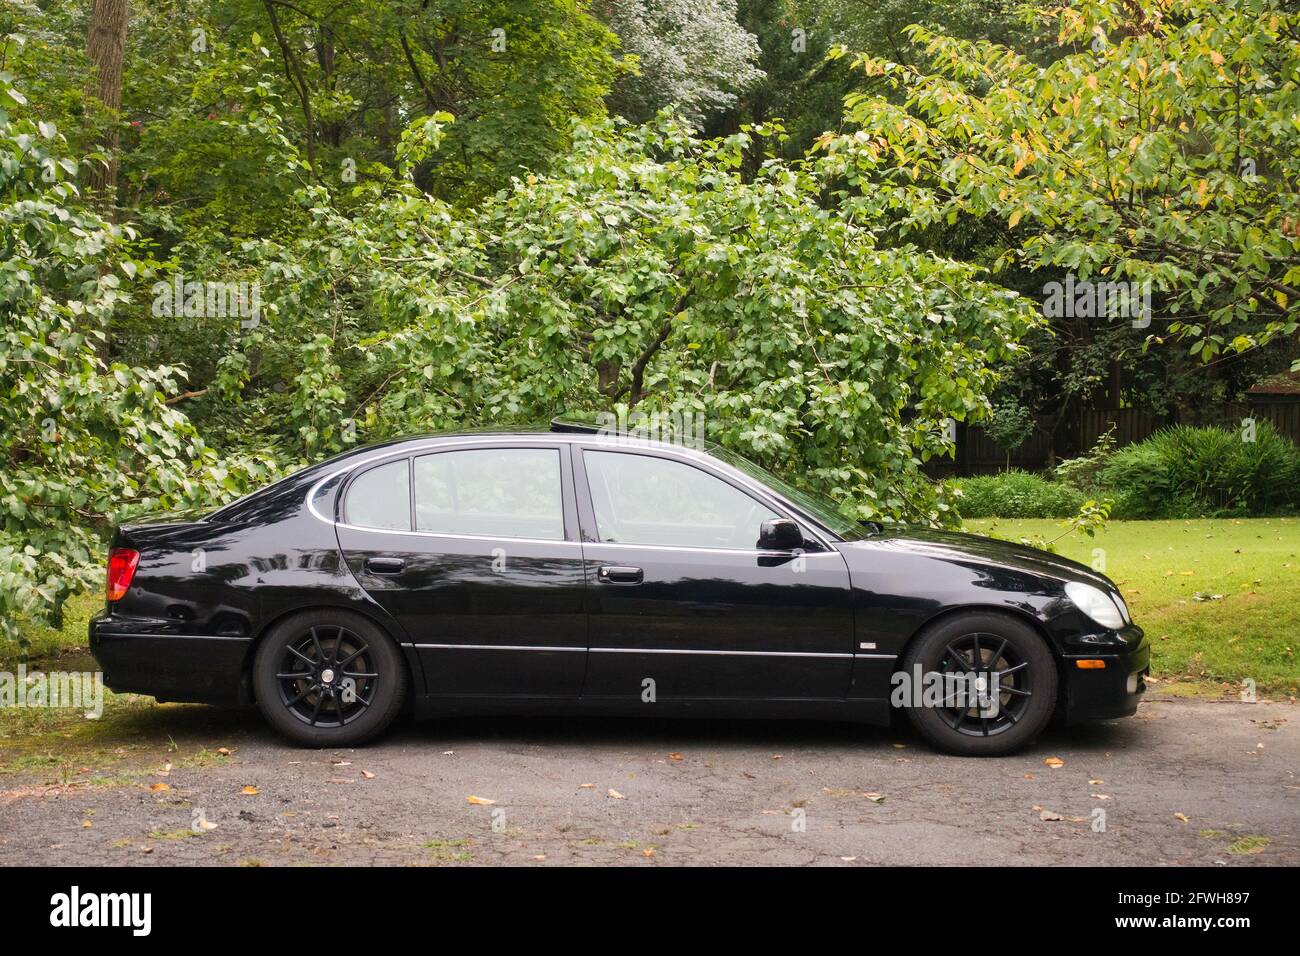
{"type": "Point", "coordinates": [779, 534]}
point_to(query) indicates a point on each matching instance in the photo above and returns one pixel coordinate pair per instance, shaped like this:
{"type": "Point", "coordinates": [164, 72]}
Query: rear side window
{"type": "Point", "coordinates": [381, 497]}
{"type": "Point", "coordinates": [492, 492]}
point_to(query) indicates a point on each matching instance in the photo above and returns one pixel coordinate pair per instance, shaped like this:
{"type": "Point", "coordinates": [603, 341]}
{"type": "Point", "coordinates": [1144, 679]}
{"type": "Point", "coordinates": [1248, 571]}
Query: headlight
{"type": "Point", "coordinates": [1095, 603]}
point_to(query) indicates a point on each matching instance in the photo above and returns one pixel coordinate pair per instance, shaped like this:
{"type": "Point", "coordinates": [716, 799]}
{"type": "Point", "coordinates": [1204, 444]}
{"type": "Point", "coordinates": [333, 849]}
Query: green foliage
{"type": "Point", "coordinates": [1016, 494]}
{"type": "Point", "coordinates": [1163, 148]}
{"type": "Point", "coordinates": [1010, 425]}
{"type": "Point", "coordinates": [1185, 472]}
{"type": "Point", "coordinates": [1084, 471]}
{"type": "Point", "coordinates": [84, 441]}
{"type": "Point", "coordinates": [646, 269]}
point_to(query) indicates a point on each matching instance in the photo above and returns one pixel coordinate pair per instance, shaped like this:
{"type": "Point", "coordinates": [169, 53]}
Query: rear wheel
{"type": "Point", "coordinates": [997, 684]}
{"type": "Point", "coordinates": [329, 678]}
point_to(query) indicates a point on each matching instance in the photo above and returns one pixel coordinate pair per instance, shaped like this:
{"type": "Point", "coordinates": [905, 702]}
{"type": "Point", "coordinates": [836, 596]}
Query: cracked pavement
{"type": "Point", "coordinates": [692, 792]}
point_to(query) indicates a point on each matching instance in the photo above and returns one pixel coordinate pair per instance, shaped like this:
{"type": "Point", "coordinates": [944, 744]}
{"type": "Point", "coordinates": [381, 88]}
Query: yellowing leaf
{"type": "Point", "coordinates": [479, 801]}
{"type": "Point", "coordinates": [159, 787]}
{"type": "Point", "coordinates": [1054, 762]}
{"type": "Point", "coordinates": [249, 791]}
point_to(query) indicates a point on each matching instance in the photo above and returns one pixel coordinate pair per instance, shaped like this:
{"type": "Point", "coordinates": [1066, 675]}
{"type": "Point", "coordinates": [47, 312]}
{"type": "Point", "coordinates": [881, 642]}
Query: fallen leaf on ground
{"type": "Point", "coordinates": [875, 797]}
{"type": "Point", "coordinates": [1054, 762]}
{"type": "Point", "coordinates": [676, 756]}
{"type": "Point", "coordinates": [159, 787]}
{"type": "Point", "coordinates": [368, 775]}
{"type": "Point", "coordinates": [586, 786]}
{"type": "Point", "coordinates": [648, 851]}
{"type": "Point", "coordinates": [479, 801]}
{"type": "Point", "coordinates": [224, 751]}
{"type": "Point", "coordinates": [615, 795]}
{"type": "Point", "coordinates": [86, 824]}
{"type": "Point", "coordinates": [1049, 815]}
{"type": "Point", "coordinates": [1182, 818]}
{"type": "Point", "coordinates": [249, 791]}
{"type": "Point", "coordinates": [1097, 782]}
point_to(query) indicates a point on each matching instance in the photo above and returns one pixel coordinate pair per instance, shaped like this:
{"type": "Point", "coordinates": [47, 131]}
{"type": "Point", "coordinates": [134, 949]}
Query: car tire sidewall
{"type": "Point", "coordinates": [390, 694]}
{"type": "Point", "coordinates": [927, 650]}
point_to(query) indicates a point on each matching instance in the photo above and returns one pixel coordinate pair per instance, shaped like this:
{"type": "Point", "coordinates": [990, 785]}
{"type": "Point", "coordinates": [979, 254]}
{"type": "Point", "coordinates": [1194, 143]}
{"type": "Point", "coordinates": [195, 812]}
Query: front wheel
{"type": "Point", "coordinates": [329, 679]}
{"type": "Point", "coordinates": [996, 684]}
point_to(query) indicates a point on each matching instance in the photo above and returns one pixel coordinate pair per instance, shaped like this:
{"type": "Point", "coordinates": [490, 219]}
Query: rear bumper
{"type": "Point", "coordinates": [1112, 691]}
{"type": "Point", "coordinates": [147, 657]}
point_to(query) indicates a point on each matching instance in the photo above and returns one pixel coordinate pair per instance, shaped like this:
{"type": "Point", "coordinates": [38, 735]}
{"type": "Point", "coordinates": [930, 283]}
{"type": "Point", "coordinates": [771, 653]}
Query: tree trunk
{"type": "Point", "coordinates": [105, 47]}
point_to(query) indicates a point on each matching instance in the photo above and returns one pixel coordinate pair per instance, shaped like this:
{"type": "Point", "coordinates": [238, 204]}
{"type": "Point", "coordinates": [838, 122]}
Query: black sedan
{"type": "Point", "coordinates": [572, 571]}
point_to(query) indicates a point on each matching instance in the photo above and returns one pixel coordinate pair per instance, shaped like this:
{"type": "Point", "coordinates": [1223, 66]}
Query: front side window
{"type": "Point", "coordinates": [641, 499]}
{"type": "Point", "coordinates": [381, 497]}
{"type": "Point", "coordinates": [492, 492]}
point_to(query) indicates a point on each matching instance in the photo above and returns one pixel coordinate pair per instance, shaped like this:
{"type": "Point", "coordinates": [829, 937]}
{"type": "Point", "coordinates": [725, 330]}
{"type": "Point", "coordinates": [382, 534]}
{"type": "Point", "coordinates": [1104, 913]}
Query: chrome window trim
{"type": "Point", "coordinates": [550, 440]}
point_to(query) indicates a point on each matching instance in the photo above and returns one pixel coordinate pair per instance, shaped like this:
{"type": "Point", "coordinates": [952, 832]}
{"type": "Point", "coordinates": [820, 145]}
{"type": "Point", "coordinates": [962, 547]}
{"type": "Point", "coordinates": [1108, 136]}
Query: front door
{"type": "Point", "coordinates": [474, 551]}
{"type": "Point", "coordinates": [683, 605]}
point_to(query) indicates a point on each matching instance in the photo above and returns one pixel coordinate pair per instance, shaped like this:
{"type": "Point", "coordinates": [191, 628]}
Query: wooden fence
{"type": "Point", "coordinates": [977, 454]}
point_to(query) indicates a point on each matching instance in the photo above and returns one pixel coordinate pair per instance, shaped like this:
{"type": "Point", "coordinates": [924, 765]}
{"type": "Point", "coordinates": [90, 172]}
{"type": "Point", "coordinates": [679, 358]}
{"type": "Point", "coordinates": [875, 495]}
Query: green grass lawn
{"type": "Point", "coordinates": [1251, 631]}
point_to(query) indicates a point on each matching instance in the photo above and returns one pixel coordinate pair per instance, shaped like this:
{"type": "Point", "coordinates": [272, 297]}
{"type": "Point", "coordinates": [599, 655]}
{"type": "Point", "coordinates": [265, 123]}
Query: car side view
{"type": "Point", "coordinates": [572, 571]}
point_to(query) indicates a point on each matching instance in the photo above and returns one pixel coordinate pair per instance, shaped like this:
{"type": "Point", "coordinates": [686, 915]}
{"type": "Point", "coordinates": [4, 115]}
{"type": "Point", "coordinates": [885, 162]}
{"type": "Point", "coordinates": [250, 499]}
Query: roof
{"type": "Point", "coordinates": [1283, 383]}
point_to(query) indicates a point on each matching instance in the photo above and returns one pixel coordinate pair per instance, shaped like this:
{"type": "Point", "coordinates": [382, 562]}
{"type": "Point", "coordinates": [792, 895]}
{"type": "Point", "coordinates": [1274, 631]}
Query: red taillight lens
{"type": "Point", "coordinates": [121, 569]}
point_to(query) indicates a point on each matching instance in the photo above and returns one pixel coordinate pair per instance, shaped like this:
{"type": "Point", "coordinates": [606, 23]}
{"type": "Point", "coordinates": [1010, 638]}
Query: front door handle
{"type": "Point", "coordinates": [619, 574]}
{"type": "Point", "coordinates": [385, 565]}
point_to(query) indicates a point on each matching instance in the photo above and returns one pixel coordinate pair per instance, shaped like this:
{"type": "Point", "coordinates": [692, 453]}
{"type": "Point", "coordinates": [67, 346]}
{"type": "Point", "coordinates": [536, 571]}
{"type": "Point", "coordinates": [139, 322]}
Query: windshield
{"type": "Point", "coordinates": [818, 507]}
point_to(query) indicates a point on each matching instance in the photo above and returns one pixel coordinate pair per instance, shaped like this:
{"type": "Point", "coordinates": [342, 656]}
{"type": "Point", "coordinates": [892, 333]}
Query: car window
{"type": "Point", "coordinates": [495, 492]}
{"type": "Point", "coordinates": [641, 499]}
{"type": "Point", "coordinates": [381, 497]}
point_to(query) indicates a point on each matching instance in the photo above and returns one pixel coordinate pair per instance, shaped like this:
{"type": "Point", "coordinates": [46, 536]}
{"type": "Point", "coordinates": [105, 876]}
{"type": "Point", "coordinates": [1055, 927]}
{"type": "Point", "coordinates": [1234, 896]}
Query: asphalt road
{"type": "Point", "coordinates": [649, 792]}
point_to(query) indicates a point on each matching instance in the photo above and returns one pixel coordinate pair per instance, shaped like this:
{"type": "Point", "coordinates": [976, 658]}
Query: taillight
{"type": "Point", "coordinates": [121, 569]}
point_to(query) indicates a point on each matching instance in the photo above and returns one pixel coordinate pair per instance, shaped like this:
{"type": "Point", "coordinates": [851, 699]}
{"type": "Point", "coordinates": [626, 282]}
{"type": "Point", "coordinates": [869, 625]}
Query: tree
{"type": "Point", "coordinates": [647, 271]}
{"type": "Point", "coordinates": [1162, 150]}
{"type": "Point", "coordinates": [105, 47]}
{"type": "Point", "coordinates": [83, 442]}
{"type": "Point", "coordinates": [690, 54]}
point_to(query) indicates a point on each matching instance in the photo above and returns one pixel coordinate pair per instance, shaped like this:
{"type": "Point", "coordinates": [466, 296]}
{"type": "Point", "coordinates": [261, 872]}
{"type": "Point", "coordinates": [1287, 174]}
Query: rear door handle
{"type": "Point", "coordinates": [619, 574]}
{"type": "Point", "coordinates": [385, 565]}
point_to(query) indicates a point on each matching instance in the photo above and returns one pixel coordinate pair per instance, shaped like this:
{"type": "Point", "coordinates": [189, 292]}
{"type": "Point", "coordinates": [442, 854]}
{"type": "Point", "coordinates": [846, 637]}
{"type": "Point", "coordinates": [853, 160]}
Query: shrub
{"type": "Point", "coordinates": [1083, 472]}
{"type": "Point", "coordinates": [1186, 472]}
{"type": "Point", "coordinates": [1016, 494]}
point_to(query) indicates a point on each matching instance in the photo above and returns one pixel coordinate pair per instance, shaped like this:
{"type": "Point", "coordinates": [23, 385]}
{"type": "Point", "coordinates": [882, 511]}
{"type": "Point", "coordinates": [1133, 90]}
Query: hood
{"type": "Point", "coordinates": [960, 548]}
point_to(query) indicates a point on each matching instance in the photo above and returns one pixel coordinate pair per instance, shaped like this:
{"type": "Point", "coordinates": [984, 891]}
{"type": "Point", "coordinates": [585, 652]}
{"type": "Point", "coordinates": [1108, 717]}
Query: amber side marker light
{"type": "Point", "coordinates": [121, 569]}
{"type": "Point", "coordinates": [1090, 665]}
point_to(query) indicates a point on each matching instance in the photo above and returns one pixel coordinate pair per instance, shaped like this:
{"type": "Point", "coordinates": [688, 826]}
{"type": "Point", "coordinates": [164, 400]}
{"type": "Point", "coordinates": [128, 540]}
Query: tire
{"type": "Point", "coordinates": [329, 678]}
{"type": "Point", "coordinates": [1027, 683]}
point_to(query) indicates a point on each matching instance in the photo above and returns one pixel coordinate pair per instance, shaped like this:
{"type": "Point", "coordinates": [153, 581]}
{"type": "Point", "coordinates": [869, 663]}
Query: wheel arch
{"type": "Point", "coordinates": [1004, 610]}
{"type": "Point", "coordinates": [246, 671]}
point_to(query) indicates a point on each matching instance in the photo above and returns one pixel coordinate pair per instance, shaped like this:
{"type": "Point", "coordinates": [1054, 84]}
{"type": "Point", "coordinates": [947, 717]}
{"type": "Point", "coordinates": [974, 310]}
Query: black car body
{"type": "Point", "coordinates": [599, 583]}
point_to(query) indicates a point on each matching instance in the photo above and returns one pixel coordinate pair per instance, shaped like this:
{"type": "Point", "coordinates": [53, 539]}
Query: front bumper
{"type": "Point", "coordinates": [141, 656]}
{"type": "Point", "coordinates": [1113, 690]}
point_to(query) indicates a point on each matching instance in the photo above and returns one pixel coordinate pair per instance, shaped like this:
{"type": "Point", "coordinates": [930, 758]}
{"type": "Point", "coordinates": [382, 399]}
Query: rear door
{"type": "Point", "coordinates": [474, 550]}
{"type": "Point", "coordinates": [684, 606]}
